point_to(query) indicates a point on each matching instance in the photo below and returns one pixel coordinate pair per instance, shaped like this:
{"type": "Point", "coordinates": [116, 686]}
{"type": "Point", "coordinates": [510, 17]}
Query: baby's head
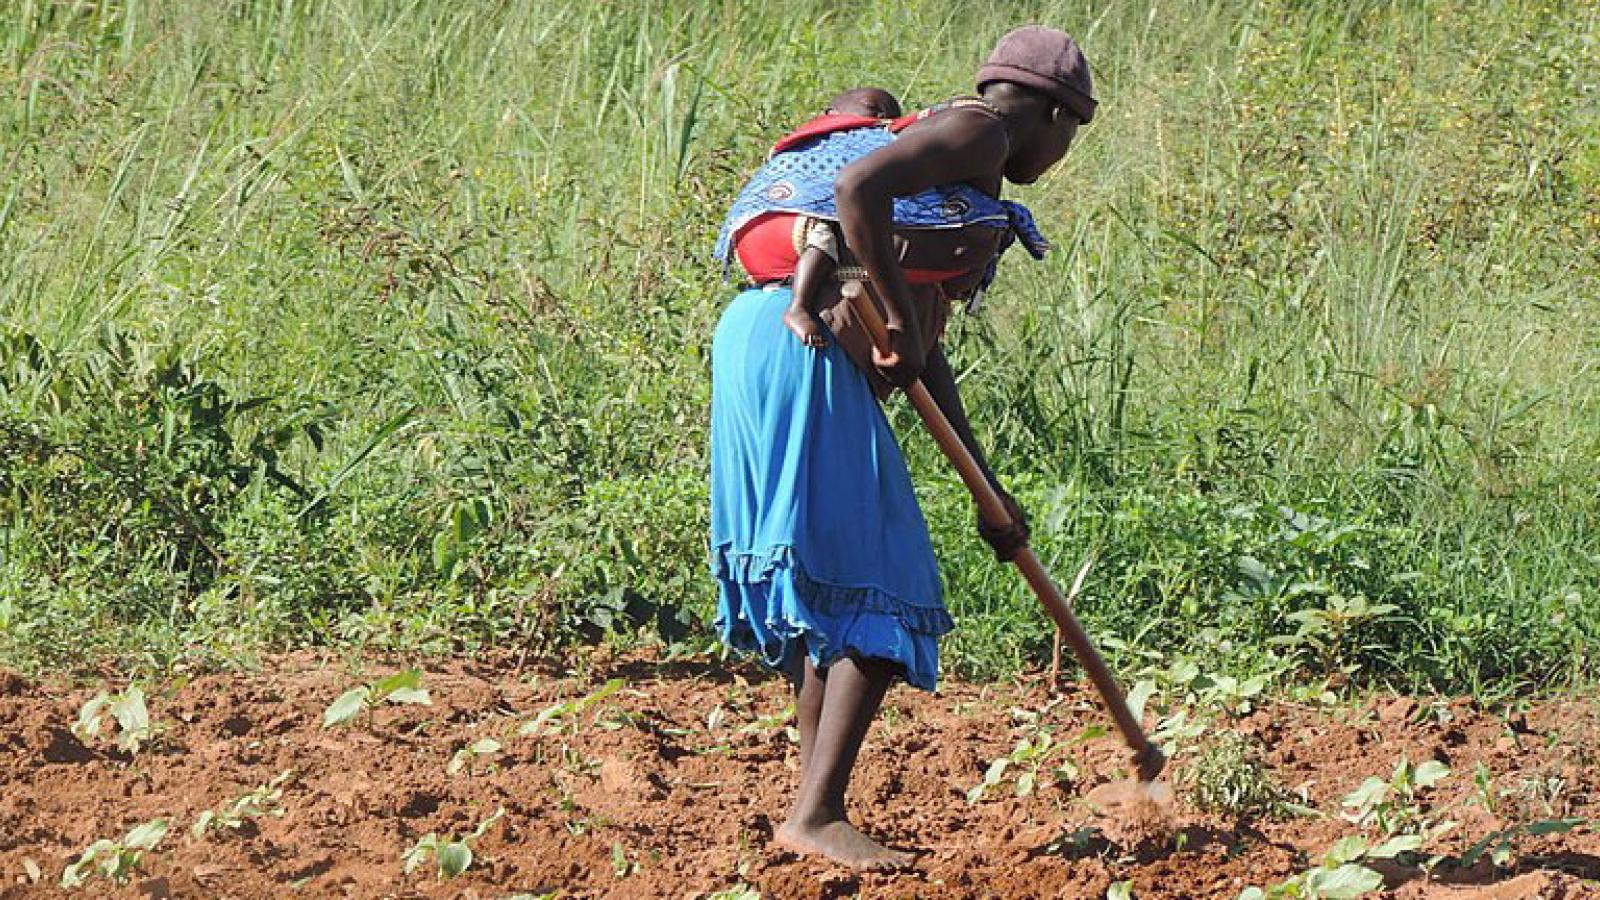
{"type": "Point", "coordinates": [875, 102]}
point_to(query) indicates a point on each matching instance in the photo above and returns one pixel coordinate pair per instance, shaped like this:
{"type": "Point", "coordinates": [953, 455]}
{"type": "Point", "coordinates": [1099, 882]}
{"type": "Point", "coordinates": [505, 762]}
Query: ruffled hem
{"type": "Point", "coordinates": [770, 607]}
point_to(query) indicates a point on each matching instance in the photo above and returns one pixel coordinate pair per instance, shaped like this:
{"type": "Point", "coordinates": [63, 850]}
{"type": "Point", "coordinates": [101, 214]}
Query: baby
{"type": "Point", "coordinates": [820, 258]}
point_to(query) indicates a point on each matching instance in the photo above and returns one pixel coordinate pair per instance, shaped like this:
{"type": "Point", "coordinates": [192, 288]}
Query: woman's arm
{"type": "Point", "coordinates": [940, 381]}
{"type": "Point", "coordinates": [957, 146]}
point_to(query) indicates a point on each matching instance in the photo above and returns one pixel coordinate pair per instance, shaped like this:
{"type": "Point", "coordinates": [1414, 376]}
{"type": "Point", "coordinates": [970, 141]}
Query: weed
{"type": "Point", "coordinates": [115, 860]}
{"type": "Point", "coordinates": [1500, 846]}
{"type": "Point", "coordinates": [1031, 758]}
{"type": "Point", "coordinates": [563, 713]}
{"type": "Point", "coordinates": [265, 800]}
{"type": "Point", "coordinates": [467, 756]}
{"type": "Point", "coordinates": [1229, 776]}
{"type": "Point", "coordinates": [404, 687]}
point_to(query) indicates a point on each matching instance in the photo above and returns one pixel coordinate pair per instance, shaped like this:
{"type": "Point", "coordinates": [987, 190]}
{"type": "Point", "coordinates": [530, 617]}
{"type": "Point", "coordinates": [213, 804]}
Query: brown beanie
{"type": "Point", "coordinates": [1047, 61]}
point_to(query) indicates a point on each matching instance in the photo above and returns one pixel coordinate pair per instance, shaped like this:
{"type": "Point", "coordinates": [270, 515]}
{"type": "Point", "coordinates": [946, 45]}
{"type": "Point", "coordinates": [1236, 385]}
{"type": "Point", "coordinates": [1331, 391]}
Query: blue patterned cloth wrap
{"type": "Point", "coordinates": [800, 180]}
{"type": "Point", "coordinates": [817, 541]}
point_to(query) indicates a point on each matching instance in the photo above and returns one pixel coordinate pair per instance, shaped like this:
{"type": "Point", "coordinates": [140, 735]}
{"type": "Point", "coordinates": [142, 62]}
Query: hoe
{"type": "Point", "coordinates": [1148, 759]}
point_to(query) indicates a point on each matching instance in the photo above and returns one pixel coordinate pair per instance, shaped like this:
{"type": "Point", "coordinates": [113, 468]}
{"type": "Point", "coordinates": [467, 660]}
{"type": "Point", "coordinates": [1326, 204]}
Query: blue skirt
{"type": "Point", "coordinates": [817, 541]}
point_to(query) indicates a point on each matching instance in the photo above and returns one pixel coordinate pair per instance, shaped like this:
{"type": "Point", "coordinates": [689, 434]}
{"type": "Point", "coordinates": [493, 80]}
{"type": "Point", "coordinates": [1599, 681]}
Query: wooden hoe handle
{"type": "Point", "coordinates": [1147, 756]}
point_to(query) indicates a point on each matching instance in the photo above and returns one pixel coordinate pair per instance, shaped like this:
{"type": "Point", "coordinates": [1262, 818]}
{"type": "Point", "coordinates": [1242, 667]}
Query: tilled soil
{"type": "Point", "coordinates": [672, 787]}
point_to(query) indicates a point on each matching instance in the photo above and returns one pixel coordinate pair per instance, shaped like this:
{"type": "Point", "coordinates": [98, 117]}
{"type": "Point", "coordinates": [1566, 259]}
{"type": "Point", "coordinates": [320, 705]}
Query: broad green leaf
{"type": "Point", "coordinates": [1120, 890]}
{"type": "Point", "coordinates": [1346, 849]}
{"type": "Point", "coordinates": [1395, 846]}
{"type": "Point", "coordinates": [1025, 784]}
{"type": "Point", "coordinates": [403, 680]}
{"type": "Point", "coordinates": [146, 836]}
{"type": "Point", "coordinates": [130, 711]}
{"type": "Point", "coordinates": [1344, 883]}
{"type": "Point", "coordinates": [1252, 893]}
{"type": "Point", "coordinates": [1371, 791]}
{"type": "Point", "coordinates": [454, 858]}
{"type": "Point", "coordinates": [1429, 773]}
{"type": "Point", "coordinates": [996, 770]}
{"type": "Point", "coordinates": [89, 717]}
{"type": "Point", "coordinates": [1139, 696]}
{"type": "Point", "coordinates": [347, 707]}
{"type": "Point", "coordinates": [419, 851]}
{"type": "Point", "coordinates": [412, 696]}
{"type": "Point", "coordinates": [76, 874]}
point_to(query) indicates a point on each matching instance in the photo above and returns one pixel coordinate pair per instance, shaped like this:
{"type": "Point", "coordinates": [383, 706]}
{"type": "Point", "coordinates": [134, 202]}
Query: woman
{"type": "Point", "coordinates": [824, 563]}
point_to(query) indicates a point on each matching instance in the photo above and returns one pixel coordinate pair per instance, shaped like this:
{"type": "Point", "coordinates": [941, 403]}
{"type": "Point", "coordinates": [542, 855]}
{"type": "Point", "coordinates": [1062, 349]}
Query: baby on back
{"type": "Point", "coordinates": [820, 257]}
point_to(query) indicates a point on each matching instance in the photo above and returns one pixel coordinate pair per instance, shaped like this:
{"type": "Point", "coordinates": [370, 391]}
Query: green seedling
{"type": "Point", "coordinates": [1483, 782]}
{"type": "Point", "coordinates": [1027, 759]}
{"type": "Point", "coordinates": [1393, 805]}
{"type": "Point", "coordinates": [403, 687]}
{"type": "Point", "coordinates": [621, 866]}
{"type": "Point", "coordinates": [452, 856]}
{"type": "Point", "coordinates": [127, 709]}
{"type": "Point", "coordinates": [1120, 890]}
{"type": "Point", "coordinates": [466, 756]}
{"type": "Point", "coordinates": [1501, 846]}
{"type": "Point", "coordinates": [266, 800]}
{"type": "Point", "coordinates": [115, 860]}
{"type": "Point", "coordinates": [1340, 875]}
{"type": "Point", "coordinates": [740, 891]}
{"type": "Point", "coordinates": [560, 713]}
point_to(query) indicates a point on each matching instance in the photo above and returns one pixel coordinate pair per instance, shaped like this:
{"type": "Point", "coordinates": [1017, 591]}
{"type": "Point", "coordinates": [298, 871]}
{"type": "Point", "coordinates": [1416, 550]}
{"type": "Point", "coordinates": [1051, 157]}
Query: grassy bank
{"type": "Point", "coordinates": [385, 323]}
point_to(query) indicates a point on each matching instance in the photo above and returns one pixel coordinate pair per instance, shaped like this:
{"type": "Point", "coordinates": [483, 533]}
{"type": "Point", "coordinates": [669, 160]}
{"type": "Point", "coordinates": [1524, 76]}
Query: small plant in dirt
{"type": "Point", "coordinates": [621, 865]}
{"type": "Point", "coordinates": [561, 713]}
{"type": "Point", "coordinates": [265, 800]}
{"type": "Point", "coordinates": [115, 860]}
{"type": "Point", "coordinates": [467, 757]}
{"type": "Point", "coordinates": [1394, 806]}
{"type": "Point", "coordinates": [402, 687]}
{"type": "Point", "coordinates": [1028, 759]}
{"type": "Point", "coordinates": [1340, 875]}
{"type": "Point", "coordinates": [740, 891]}
{"type": "Point", "coordinates": [127, 709]}
{"type": "Point", "coordinates": [1328, 634]}
{"type": "Point", "coordinates": [1501, 846]}
{"type": "Point", "coordinates": [453, 855]}
{"type": "Point", "coordinates": [1230, 777]}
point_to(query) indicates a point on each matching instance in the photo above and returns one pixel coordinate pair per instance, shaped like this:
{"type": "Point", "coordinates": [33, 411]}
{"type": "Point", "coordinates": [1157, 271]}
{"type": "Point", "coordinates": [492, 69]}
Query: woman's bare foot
{"type": "Point", "coordinates": [839, 841]}
{"type": "Point", "coordinates": [805, 327]}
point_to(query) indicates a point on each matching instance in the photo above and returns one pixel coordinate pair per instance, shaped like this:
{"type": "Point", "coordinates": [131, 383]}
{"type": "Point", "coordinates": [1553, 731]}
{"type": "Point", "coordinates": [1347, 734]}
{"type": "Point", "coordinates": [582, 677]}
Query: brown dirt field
{"type": "Point", "coordinates": [672, 788]}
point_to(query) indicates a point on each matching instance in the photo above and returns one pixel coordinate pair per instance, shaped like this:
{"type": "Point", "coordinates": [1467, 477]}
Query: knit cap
{"type": "Point", "coordinates": [1047, 61]}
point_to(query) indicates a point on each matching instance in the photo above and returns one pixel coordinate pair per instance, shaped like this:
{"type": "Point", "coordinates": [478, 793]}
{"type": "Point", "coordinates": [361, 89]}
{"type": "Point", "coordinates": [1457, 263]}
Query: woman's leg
{"type": "Point", "coordinates": [851, 695]}
{"type": "Point", "coordinates": [809, 689]}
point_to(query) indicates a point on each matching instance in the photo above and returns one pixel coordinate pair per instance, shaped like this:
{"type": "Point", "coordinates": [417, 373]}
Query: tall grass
{"type": "Point", "coordinates": [386, 323]}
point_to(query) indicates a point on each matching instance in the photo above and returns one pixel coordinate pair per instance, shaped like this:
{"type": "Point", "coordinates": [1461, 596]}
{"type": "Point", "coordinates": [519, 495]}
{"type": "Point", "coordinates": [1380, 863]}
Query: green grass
{"type": "Point", "coordinates": [385, 324]}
